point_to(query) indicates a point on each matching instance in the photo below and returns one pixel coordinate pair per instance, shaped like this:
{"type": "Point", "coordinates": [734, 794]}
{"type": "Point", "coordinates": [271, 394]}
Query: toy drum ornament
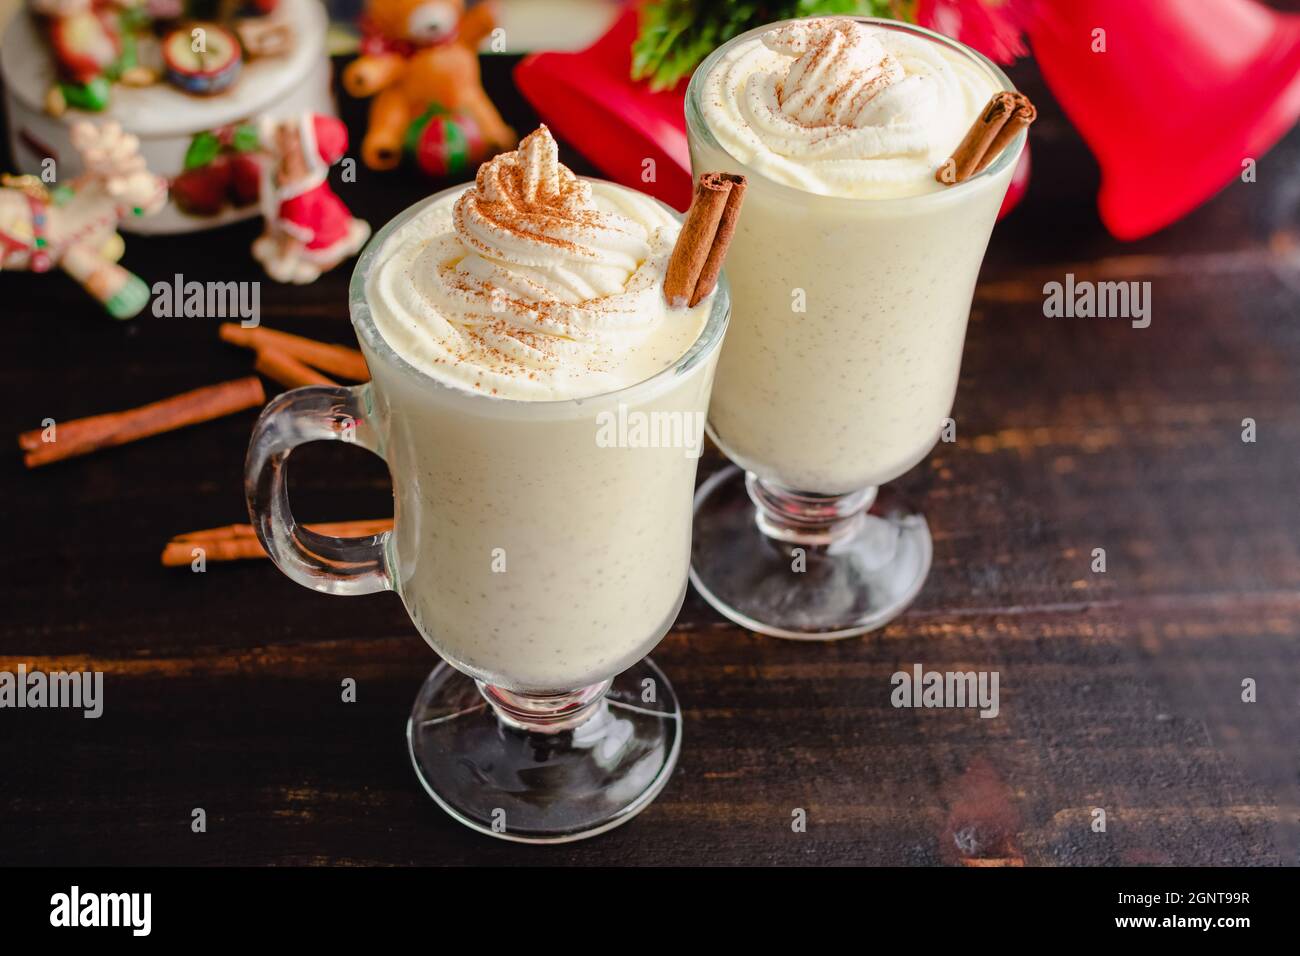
{"type": "Point", "coordinates": [192, 122]}
{"type": "Point", "coordinates": [203, 58]}
{"type": "Point", "coordinates": [442, 144]}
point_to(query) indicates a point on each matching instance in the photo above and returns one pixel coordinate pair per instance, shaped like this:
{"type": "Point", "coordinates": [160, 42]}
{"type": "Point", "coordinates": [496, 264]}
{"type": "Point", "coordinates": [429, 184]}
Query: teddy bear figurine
{"type": "Point", "coordinates": [419, 61]}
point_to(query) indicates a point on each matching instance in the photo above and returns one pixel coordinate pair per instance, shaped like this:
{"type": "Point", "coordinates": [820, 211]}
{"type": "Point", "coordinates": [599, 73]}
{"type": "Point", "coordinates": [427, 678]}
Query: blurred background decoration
{"type": "Point", "coordinates": [620, 102]}
{"type": "Point", "coordinates": [527, 25]}
{"type": "Point", "coordinates": [675, 35]}
{"type": "Point", "coordinates": [1172, 96]}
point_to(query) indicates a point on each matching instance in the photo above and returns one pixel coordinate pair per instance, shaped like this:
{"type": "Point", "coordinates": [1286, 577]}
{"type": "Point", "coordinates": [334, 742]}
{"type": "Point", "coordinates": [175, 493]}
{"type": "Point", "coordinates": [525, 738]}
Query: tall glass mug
{"type": "Point", "coordinates": [838, 373]}
{"type": "Point", "coordinates": [536, 553]}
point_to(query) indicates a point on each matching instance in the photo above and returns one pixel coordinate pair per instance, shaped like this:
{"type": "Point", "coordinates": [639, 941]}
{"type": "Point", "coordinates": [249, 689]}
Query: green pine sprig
{"type": "Point", "coordinates": [676, 35]}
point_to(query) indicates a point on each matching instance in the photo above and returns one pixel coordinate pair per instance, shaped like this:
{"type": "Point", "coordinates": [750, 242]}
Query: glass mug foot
{"type": "Point", "coordinates": [545, 769]}
{"type": "Point", "coordinates": [806, 567]}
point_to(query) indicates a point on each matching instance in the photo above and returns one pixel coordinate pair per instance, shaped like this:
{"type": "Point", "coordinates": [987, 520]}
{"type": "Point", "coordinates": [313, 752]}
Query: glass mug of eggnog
{"type": "Point", "coordinates": [851, 275]}
{"type": "Point", "coordinates": [513, 328]}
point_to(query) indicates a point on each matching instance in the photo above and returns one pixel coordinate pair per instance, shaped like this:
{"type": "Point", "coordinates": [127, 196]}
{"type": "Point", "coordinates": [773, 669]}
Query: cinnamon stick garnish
{"type": "Point", "coordinates": [696, 260]}
{"type": "Point", "coordinates": [708, 279]}
{"type": "Point", "coordinates": [1021, 117]}
{"type": "Point", "coordinates": [84, 435]}
{"type": "Point", "coordinates": [336, 359]}
{"type": "Point", "coordinates": [1005, 115]}
{"type": "Point", "coordinates": [237, 542]}
{"type": "Point", "coordinates": [287, 370]}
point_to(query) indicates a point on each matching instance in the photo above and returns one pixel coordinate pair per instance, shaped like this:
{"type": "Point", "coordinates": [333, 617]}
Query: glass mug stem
{"type": "Point", "coordinates": [801, 518]}
{"type": "Point", "coordinates": [346, 566]}
{"type": "Point", "coordinates": [545, 713]}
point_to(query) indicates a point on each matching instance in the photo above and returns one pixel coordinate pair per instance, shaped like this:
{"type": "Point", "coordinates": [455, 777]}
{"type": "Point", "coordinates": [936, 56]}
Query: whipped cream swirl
{"type": "Point", "coordinates": [533, 283]}
{"type": "Point", "coordinates": [843, 108]}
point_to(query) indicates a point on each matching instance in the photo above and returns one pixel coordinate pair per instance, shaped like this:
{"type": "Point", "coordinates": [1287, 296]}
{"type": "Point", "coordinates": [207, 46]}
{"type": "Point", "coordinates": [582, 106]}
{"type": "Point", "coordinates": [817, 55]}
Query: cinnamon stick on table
{"type": "Point", "coordinates": [287, 370]}
{"type": "Point", "coordinates": [696, 260]}
{"type": "Point", "coordinates": [335, 359]}
{"type": "Point", "coordinates": [84, 435]}
{"type": "Point", "coordinates": [1005, 115]}
{"type": "Point", "coordinates": [239, 541]}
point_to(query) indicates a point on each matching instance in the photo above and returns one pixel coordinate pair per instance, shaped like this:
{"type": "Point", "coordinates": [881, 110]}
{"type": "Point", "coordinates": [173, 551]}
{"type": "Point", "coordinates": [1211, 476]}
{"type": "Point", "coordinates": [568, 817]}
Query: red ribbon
{"type": "Point", "coordinates": [375, 42]}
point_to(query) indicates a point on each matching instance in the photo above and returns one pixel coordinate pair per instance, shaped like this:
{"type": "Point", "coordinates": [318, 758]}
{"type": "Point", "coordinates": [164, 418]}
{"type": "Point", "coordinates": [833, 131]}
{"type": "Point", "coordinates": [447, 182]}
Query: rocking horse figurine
{"type": "Point", "coordinates": [74, 227]}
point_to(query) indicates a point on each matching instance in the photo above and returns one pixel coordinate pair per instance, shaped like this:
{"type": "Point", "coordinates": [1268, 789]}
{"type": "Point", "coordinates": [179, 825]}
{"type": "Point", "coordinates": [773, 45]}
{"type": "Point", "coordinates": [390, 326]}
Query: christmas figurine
{"type": "Point", "coordinates": [308, 229]}
{"type": "Point", "coordinates": [74, 227]}
{"type": "Point", "coordinates": [419, 61]}
{"type": "Point", "coordinates": [94, 43]}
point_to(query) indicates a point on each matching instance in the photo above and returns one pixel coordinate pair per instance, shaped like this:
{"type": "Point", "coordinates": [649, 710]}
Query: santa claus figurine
{"type": "Point", "coordinates": [308, 229]}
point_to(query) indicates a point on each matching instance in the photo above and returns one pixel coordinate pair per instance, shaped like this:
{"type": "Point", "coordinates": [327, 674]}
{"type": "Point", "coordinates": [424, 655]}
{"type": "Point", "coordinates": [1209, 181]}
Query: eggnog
{"type": "Point", "coordinates": [543, 420]}
{"type": "Point", "coordinates": [853, 269]}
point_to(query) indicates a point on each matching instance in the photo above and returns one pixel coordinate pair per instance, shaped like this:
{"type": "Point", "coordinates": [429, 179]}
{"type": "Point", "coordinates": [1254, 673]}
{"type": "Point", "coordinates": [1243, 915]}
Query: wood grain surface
{"type": "Point", "coordinates": [1119, 690]}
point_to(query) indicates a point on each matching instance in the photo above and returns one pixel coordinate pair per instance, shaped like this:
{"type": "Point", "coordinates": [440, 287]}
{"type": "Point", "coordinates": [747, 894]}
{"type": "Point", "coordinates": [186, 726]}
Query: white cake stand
{"type": "Point", "coordinates": [162, 116]}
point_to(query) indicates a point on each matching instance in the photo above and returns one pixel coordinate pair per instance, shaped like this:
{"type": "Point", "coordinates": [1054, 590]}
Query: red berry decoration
{"type": "Point", "coordinates": [202, 191]}
{"type": "Point", "coordinates": [245, 179]}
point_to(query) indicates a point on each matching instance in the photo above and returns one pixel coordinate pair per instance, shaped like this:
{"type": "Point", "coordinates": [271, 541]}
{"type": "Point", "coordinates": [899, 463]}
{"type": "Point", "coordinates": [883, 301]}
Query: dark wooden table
{"type": "Point", "coordinates": [1119, 690]}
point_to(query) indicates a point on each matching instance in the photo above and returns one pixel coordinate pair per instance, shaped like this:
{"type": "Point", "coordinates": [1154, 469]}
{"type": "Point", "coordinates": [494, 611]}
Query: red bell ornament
{"type": "Point", "coordinates": [1173, 96]}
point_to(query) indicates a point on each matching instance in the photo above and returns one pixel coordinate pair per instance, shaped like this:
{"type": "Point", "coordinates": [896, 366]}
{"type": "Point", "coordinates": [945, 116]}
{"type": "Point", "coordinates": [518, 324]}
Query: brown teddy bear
{"type": "Point", "coordinates": [419, 57]}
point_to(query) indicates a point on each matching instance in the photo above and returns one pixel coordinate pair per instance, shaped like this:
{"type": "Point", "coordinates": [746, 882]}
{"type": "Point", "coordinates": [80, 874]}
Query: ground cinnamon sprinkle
{"type": "Point", "coordinates": [828, 75]}
{"type": "Point", "coordinates": [499, 282]}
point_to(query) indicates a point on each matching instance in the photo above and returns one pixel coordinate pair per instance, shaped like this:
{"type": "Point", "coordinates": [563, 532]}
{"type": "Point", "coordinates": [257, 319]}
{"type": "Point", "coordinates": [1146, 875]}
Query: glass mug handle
{"type": "Point", "coordinates": [345, 566]}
